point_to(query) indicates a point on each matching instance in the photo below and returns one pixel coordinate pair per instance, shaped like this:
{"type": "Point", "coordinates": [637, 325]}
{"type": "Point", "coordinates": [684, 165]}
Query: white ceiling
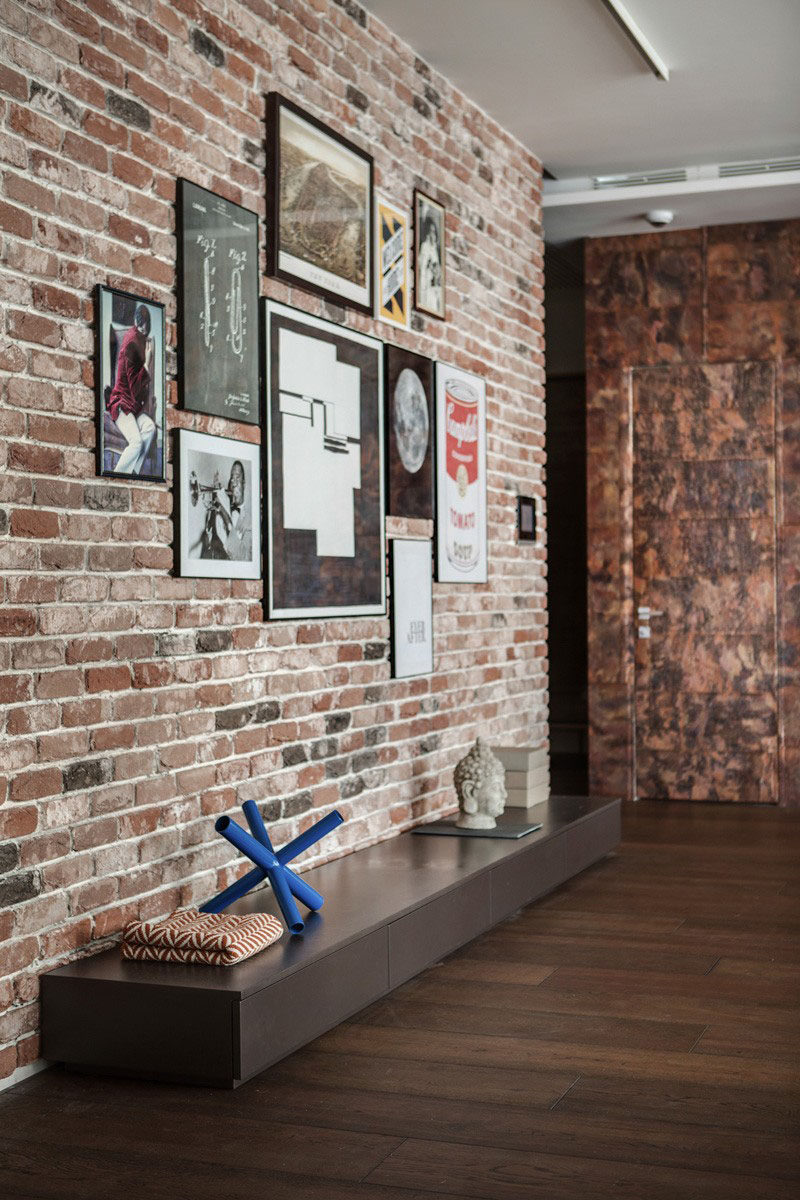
{"type": "Point", "coordinates": [562, 77]}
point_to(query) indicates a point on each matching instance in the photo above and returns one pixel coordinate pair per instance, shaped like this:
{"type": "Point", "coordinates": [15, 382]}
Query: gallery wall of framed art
{"type": "Point", "coordinates": [461, 532]}
{"type": "Point", "coordinates": [217, 305]}
{"type": "Point", "coordinates": [324, 486]}
{"type": "Point", "coordinates": [130, 385]}
{"type": "Point", "coordinates": [319, 207]}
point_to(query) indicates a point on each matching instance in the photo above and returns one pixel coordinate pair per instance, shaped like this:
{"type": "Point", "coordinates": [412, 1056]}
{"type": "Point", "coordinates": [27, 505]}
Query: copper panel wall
{"type": "Point", "coordinates": [684, 300]}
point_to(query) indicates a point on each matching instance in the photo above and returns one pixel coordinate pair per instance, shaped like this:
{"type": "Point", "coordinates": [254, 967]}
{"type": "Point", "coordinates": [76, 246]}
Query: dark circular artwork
{"type": "Point", "coordinates": [411, 422]}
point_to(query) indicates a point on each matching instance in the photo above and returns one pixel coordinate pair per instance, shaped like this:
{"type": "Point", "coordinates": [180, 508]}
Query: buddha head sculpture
{"type": "Point", "coordinates": [480, 782]}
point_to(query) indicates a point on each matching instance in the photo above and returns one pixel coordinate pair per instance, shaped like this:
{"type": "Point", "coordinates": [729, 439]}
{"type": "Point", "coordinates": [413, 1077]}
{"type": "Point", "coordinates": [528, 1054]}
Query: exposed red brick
{"type": "Point", "coordinates": [26, 523]}
{"type": "Point", "coordinates": [108, 679]}
{"type": "Point", "coordinates": [33, 785]}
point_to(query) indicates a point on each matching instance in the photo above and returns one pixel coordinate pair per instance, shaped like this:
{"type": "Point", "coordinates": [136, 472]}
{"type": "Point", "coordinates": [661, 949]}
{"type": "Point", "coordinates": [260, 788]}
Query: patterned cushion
{"type": "Point", "coordinates": [190, 936]}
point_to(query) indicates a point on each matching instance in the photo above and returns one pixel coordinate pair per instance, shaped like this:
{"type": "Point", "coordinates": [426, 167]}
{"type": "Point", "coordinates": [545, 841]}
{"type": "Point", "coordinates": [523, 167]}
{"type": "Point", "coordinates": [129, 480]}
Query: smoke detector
{"type": "Point", "coordinates": [659, 217]}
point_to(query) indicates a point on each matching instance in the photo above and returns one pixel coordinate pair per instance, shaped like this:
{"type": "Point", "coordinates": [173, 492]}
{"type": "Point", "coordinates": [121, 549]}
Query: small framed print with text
{"type": "Point", "coordinates": [411, 607]}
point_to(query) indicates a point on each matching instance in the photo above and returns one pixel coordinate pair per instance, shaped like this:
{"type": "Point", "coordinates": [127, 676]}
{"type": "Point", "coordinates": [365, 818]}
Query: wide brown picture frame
{"type": "Point", "coordinates": [313, 168]}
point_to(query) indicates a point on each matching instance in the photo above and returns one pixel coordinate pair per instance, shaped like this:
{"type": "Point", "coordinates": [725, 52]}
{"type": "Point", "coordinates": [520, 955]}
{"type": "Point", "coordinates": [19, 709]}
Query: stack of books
{"type": "Point", "coordinates": [527, 774]}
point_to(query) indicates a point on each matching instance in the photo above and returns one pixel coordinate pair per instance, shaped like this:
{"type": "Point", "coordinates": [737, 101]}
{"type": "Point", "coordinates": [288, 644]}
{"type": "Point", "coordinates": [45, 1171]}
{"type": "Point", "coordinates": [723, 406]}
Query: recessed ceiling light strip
{"type": "Point", "coordinates": [634, 34]}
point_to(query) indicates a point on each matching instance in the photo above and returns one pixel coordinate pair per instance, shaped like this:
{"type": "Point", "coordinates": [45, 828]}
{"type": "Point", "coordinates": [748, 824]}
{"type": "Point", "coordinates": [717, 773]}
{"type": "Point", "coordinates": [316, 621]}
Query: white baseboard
{"type": "Point", "coordinates": [24, 1073]}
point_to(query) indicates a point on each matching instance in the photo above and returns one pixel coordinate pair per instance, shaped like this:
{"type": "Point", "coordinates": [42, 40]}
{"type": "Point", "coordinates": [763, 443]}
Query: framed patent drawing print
{"type": "Point", "coordinates": [319, 207]}
{"type": "Point", "coordinates": [324, 468]}
{"type": "Point", "coordinates": [217, 305]}
{"type": "Point", "coordinates": [218, 486]}
{"type": "Point", "coordinates": [130, 385]}
{"type": "Point", "coordinates": [391, 263]}
{"type": "Point", "coordinates": [409, 433]}
{"type": "Point", "coordinates": [461, 552]}
{"type": "Point", "coordinates": [411, 607]}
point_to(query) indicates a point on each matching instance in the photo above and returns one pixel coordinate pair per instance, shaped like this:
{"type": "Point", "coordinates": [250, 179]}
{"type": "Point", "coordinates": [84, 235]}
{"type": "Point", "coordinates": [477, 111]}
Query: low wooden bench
{"type": "Point", "coordinates": [391, 910]}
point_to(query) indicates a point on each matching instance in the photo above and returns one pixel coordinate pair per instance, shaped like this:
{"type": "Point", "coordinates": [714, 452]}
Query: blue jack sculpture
{"type": "Point", "coordinates": [271, 864]}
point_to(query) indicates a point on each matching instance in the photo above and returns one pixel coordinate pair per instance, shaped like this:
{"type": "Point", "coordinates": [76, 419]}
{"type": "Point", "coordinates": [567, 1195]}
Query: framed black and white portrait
{"type": "Point", "coordinates": [411, 607]}
{"type": "Point", "coordinates": [319, 206]}
{"type": "Point", "coordinates": [130, 386]}
{"type": "Point", "coordinates": [409, 433]}
{"type": "Point", "coordinates": [324, 447]}
{"type": "Point", "coordinates": [461, 546]}
{"type": "Point", "coordinates": [429, 255]}
{"type": "Point", "coordinates": [219, 507]}
{"type": "Point", "coordinates": [217, 305]}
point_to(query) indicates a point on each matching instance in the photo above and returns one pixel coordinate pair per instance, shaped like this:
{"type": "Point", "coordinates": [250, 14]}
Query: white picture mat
{"type": "Point", "coordinates": [404, 217]}
{"type": "Point", "coordinates": [412, 608]}
{"type": "Point", "coordinates": [272, 307]}
{"type": "Point", "coordinates": [190, 445]}
{"type": "Point", "coordinates": [314, 142]}
{"type": "Point", "coordinates": [445, 571]}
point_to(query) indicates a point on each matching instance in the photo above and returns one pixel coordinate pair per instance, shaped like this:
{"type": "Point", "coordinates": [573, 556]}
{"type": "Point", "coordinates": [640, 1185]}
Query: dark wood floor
{"type": "Point", "coordinates": [634, 1035]}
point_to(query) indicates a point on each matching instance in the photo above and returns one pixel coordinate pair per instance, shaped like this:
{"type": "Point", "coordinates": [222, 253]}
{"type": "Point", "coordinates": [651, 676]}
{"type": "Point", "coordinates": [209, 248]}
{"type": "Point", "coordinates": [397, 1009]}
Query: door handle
{"type": "Point", "coordinates": [644, 613]}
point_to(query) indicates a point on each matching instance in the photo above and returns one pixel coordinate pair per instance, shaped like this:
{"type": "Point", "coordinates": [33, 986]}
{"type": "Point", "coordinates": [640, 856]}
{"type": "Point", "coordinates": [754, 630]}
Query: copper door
{"type": "Point", "coordinates": [704, 582]}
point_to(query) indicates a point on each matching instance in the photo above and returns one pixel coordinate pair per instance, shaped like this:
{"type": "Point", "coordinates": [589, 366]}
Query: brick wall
{"type": "Point", "coordinates": [138, 706]}
{"type": "Point", "coordinates": [696, 298]}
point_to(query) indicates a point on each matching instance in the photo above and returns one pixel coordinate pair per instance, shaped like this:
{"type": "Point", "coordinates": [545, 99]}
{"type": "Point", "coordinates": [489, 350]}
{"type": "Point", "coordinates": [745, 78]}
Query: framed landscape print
{"type": "Point", "coordinates": [219, 507]}
{"type": "Point", "coordinates": [409, 433]}
{"type": "Point", "coordinates": [391, 263]}
{"type": "Point", "coordinates": [130, 385]}
{"type": "Point", "coordinates": [461, 553]}
{"type": "Point", "coordinates": [319, 205]}
{"type": "Point", "coordinates": [217, 305]}
{"type": "Point", "coordinates": [324, 471]}
{"type": "Point", "coordinates": [411, 607]}
{"type": "Point", "coordinates": [429, 256]}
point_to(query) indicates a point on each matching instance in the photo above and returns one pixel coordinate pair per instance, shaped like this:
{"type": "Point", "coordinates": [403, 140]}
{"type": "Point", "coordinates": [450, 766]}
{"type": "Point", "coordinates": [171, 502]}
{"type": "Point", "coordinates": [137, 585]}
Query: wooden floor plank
{"type": "Point", "coordinates": [411, 1013]}
{"type": "Point", "coordinates": [456, 1050]}
{"type": "Point", "coordinates": [498, 1174]}
{"type": "Point", "coordinates": [624, 1137]}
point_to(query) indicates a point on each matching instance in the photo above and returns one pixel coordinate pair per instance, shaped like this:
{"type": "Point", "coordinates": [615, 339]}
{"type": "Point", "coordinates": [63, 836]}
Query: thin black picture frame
{"type": "Point", "coordinates": [275, 102]}
{"type": "Point", "coordinates": [392, 356]}
{"type": "Point", "coordinates": [101, 381]}
{"type": "Point", "coordinates": [180, 491]}
{"type": "Point", "coordinates": [184, 399]}
{"type": "Point", "coordinates": [273, 611]}
{"type": "Point", "coordinates": [393, 655]}
{"type": "Point", "coordinates": [419, 194]}
{"type": "Point", "coordinates": [526, 504]}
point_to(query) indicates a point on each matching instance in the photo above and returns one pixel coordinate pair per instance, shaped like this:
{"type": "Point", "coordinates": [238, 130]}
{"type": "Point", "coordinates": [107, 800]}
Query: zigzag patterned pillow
{"type": "Point", "coordinates": [189, 936]}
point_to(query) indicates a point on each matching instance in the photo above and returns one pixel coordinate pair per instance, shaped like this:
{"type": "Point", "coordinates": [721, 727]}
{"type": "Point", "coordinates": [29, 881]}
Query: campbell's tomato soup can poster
{"type": "Point", "coordinates": [461, 476]}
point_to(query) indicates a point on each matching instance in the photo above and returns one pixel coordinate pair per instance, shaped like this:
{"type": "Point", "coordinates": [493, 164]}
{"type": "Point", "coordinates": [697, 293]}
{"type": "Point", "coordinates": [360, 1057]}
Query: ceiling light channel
{"type": "Point", "coordinates": [634, 35]}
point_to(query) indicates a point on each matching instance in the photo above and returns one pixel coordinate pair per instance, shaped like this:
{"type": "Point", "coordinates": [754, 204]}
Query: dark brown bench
{"type": "Point", "coordinates": [391, 910]}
